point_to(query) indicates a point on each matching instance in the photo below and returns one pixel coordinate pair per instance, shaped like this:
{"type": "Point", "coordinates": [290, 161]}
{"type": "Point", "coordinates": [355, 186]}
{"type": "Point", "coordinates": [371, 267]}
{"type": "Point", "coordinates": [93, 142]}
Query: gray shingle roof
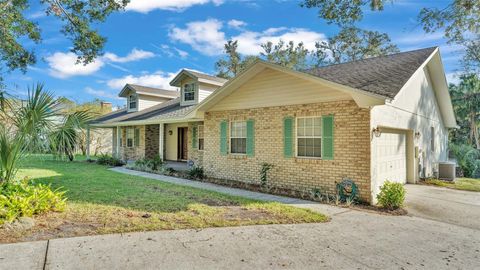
{"type": "Point", "coordinates": [207, 76]}
{"type": "Point", "coordinates": [383, 75]}
{"type": "Point", "coordinates": [167, 110]}
{"type": "Point", "coordinates": [154, 91]}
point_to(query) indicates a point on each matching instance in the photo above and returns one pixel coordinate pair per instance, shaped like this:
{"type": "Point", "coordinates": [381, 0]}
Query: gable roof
{"type": "Point", "coordinates": [149, 91]}
{"type": "Point", "coordinates": [383, 75]}
{"type": "Point", "coordinates": [201, 77]}
{"type": "Point", "coordinates": [167, 110]}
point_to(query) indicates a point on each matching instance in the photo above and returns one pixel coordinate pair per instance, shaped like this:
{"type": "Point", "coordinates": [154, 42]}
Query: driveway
{"type": "Point", "coordinates": [451, 206]}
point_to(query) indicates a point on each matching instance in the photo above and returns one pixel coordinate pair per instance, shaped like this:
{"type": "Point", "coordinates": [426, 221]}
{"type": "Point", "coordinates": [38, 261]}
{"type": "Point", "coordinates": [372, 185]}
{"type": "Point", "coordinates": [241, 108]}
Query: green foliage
{"type": "Point", "coordinates": [286, 54]}
{"type": "Point", "coordinates": [196, 172]}
{"type": "Point", "coordinates": [266, 167]}
{"type": "Point", "coordinates": [352, 44]}
{"type": "Point", "coordinates": [11, 150]}
{"type": "Point", "coordinates": [233, 63]}
{"type": "Point", "coordinates": [392, 195]}
{"type": "Point", "coordinates": [24, 200]}
{"type": "Point", "coordinates": [77, 18]}
{"type": "Point", "coordinates": [468, 159]}
{"type": "Point", "coordinates": [466, 103]}
{"type": "Point", "coordinates": [107, 160]}
{"type": "Point", "coordinates": [65, 137]}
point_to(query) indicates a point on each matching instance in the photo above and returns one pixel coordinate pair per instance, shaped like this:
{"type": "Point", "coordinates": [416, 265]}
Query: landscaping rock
{"type": "Point", "coordinates": [22, 224]}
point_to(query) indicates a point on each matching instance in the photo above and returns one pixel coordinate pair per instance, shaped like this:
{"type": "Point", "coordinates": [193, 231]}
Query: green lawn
{"type": "Point", "coordinates": [469, 184]}
{"type": "Point", "coordinates": [102, 201]}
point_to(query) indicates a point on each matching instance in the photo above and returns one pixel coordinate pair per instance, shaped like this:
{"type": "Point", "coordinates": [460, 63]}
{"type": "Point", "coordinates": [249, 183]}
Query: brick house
{"type": "Point", "coordinates": [383, 118]}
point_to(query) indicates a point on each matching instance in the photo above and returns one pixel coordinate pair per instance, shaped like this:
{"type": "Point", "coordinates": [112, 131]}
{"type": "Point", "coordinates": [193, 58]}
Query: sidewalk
{"type": "Point", "coordinates": [322, 208]}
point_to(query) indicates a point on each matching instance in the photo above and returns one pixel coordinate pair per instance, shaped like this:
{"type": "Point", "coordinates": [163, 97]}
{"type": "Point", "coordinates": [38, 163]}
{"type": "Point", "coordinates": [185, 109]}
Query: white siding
{"type": "Point", "coordinates": [145, 102]}
{"type": "Point", "coordinates": [414, 109]}
{"type": "Point", "coordinates": [272, 88]}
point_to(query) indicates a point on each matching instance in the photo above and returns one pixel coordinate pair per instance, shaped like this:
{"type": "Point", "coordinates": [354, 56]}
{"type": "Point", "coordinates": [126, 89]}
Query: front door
{"type": "Point", "coordinates": [182, 143]}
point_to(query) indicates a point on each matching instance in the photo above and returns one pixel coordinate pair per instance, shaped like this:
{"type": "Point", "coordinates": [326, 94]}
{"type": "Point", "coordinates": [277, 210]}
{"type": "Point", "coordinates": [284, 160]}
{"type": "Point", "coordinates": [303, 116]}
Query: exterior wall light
{"type": "Point", "coordinates": [170, 132]}
{"type": "Point", "coordinates": [376, 131]}
{"type": "Point", "coordinates": [417, 135]}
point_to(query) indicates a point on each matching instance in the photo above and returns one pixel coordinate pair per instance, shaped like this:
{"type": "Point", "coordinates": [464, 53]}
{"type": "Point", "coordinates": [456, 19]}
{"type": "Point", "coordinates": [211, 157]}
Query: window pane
{"type": "Point", "coordinates": [318, 126]}
{"type": "Point", "coordinates": [309, 131]}
{"type": "Point", "coordinates": [200, 144]}
{"type": "Point", "coordinates": [239, 145]}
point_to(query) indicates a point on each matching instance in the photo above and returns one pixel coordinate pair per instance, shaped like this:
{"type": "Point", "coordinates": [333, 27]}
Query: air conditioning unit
{"type": "Point", "coordinates": [446, 170]}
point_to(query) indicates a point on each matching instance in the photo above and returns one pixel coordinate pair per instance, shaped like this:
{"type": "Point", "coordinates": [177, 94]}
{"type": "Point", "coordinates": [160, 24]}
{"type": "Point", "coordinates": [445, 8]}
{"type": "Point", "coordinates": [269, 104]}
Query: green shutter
{"type": "Point", "coordinates": [327, 137]}
{"type": "Point", "coordinates": [288, 136]}
{"type": "Point", "coordinates": [223, 137]}
{"type": "Point", "coordinates": [194, 137]}
{"type": "Point", "coordinates": [137, 137]}
{"type": "Point", "coordinates": [250, 138]}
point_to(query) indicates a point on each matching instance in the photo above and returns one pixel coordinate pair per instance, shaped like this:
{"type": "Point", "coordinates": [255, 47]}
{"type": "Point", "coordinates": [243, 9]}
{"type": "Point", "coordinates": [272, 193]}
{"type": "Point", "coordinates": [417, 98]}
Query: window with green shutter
{"type": "Point", "coordinates": [327, 137]}
{"type": "Point", "coordinates": [288, 136]}
{"type": "Point", "coordinates": [223, 137]}
{"type": "Point", "coordinates": [194, 137]}
{"type": "Point", "coordinates": [250, 138]}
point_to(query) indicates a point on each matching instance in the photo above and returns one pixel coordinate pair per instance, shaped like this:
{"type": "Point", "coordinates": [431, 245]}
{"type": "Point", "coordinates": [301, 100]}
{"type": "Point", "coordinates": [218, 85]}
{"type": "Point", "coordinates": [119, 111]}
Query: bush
{"type": "Point", "coordinates": [391, 195]}
{"type": "Point", "coordinates": [468, 159]}
{"type": "Point", "coordinates": [24, 200]}
{"type": "Point", "coordinates": [196, 172]}
{"type": "Point", "coordinates": [109, 161]}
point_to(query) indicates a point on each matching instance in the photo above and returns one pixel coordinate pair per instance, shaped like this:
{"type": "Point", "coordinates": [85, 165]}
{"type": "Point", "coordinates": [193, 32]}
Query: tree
{"type": "Point", "coordinates": [466, 103]}
{"type": "Point", "coordinates": [77, 17]}
{"type": "Point", "coordinates": [352, 44]}
{"type": "Point", "coordinates": [286, 54]}
{"type": "Point", "coordinates": [233, 63]}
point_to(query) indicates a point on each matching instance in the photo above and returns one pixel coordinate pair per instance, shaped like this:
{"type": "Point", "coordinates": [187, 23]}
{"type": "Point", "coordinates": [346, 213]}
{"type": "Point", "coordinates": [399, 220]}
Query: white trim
{"type": "Point", "coordinates": [160, 140]}
{"type": "Point", "coordinates": [126, 137]}
{"type": "Point", "coordinates": [118, 141]}
{"type": "Point", "coordinates": [297, 137]}
{"type": "Point", "coordinates": [230, 136]}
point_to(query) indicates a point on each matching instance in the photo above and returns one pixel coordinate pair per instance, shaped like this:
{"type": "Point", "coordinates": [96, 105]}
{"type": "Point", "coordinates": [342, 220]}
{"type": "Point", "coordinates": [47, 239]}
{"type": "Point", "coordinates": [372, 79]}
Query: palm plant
{"type": "Point", "coordinates": [11, 149]}
{"type": "Point", "coordinates": [65, 137]}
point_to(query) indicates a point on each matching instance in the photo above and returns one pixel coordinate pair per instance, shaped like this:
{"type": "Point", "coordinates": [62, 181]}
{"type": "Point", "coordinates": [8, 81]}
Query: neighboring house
{"type": "Point", "coordinates": [383, 118]}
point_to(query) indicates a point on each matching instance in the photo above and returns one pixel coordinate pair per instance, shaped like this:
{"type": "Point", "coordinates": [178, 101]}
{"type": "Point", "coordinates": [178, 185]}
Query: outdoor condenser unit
{"type": "Point", "coordinates": [446, 170]}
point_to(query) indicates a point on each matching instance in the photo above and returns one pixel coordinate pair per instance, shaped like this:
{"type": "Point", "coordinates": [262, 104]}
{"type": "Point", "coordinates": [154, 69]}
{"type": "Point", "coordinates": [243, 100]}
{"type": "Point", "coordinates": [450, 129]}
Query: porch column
{"type": "Point", "coordinates": [119, 134]}
{"type": "Point", "coordinates": [88, 142]}
{"type": "Point", "coordinates": [160, 140]}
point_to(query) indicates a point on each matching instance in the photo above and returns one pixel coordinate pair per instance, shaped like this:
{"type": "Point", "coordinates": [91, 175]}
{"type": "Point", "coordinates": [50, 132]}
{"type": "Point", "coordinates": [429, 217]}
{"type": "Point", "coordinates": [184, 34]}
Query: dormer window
{"type": "Point", "coordinates": [189, 92]}
{"type": "Point", "coordinates": [132, 102]}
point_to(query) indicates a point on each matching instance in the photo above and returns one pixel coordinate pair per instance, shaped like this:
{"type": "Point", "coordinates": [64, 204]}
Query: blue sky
{"type": "Point", "coordinates": [154, 39]}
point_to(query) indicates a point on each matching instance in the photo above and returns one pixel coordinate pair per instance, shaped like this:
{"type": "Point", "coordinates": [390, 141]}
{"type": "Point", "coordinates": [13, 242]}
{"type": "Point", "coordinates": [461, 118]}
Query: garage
{"type": "Point", "coordinates": [391, 158]}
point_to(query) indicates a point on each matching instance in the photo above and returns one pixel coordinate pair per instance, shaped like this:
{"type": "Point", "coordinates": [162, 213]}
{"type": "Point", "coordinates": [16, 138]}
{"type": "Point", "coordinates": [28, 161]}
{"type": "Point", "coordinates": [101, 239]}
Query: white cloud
{"type": "Point", "coordinates": [453, 77]}
{"type": "Point", "coordinates": [418, 38]}
{"type": "Point", "coordinates": [182, 54]}
{"type": "Point", "coordinates": [237, 24]}
{"type": "Point", "coordinates": [203, 36]}
{"type": "Point", "coordinates": [134, 55]}
{"type": "Point", "coordinates": [100, 93]}
{"type": "Point", "coordinates": [63, 65]}
{"type": "Point", "coordinates": [157, 79]}
{"type": "Point", "coordinates": [249, 42]}
{"type": "Point", "coordinates": [145, 6]}
{"type": "Point", "coordinates": [207, 37]}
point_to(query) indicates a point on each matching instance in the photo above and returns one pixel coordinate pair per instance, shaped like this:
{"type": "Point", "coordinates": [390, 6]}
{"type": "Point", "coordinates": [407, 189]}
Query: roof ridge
{"type": "Point", "coordinates": [371, 58]}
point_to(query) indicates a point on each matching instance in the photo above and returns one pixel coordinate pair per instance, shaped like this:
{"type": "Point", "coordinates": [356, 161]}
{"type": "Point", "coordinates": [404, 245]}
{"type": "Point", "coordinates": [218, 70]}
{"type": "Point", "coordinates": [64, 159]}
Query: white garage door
{"type": "Point", "coordinates": [391, 158]}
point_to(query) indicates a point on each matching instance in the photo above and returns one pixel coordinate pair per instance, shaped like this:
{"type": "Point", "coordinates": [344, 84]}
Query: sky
{"type": "Point", "coordinates": [152, 40]}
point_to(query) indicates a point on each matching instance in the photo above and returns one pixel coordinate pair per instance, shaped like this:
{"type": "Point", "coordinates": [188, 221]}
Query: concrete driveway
{"type": "Point", "coordinates": [352, 240]}
{"type": "Point", "coordinates": [451, 206]}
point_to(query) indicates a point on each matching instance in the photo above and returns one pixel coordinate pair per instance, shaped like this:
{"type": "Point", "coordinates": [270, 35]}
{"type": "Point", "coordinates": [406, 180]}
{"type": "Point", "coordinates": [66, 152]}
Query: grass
{"type": "Point", "coordinates": [101, 201]}
{"type": "Point", "coordinates": [469, 184]}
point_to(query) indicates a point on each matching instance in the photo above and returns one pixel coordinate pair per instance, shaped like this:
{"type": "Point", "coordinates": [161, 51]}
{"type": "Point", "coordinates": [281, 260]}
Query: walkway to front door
{"type": "Point", "coordinates": [182, 143]}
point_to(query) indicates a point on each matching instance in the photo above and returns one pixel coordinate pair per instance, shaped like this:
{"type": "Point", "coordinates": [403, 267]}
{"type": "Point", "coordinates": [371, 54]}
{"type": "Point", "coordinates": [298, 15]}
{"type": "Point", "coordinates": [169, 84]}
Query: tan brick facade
{"type": "Point", "coordinates": [351, 148]}
{"type": "Point", "coordinates": [132, 153]}
{"type": "Point", "coordinates": [152, 141]}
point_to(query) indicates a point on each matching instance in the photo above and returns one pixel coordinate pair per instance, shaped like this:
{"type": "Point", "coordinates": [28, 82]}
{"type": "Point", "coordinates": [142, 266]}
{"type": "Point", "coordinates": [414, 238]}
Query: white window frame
{"type": "Point", "coordinates": [193, 92]}
{"type": "Point", "coordinates": [314, 137]}
{"type": "Point", "coordinates": [231, 137]}
{"type": "Point", "coordinates": [200, 137]}
{"type": "Point", "coordinates": [132, 129]}
{"type": "Point", "coordinates": [132, 98]}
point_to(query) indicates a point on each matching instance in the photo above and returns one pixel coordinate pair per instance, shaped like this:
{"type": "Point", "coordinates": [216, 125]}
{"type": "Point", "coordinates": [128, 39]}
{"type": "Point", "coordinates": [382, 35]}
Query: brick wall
{"type": "Point", "coordinates": [151, 141]}
{"type": "Point", "coordinates": [132, 153]}
{"type": "Point", "coordinates": [351, 144]}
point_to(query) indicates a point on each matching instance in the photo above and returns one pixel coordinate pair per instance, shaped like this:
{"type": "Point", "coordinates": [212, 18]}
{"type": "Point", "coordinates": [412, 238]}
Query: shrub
{"type": "Point", "coordinates": [468, 159]}
{"type": "Point", "coordinates": [196, 172]}
{"type": "Point", "coordinates": [266, 167]}
{"type": "Point", "coordinates": [109, 161]}
{"type": "Point", "coordinates": [24, 200]}
{"type": "Point", "coordinates": [391, 195]}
